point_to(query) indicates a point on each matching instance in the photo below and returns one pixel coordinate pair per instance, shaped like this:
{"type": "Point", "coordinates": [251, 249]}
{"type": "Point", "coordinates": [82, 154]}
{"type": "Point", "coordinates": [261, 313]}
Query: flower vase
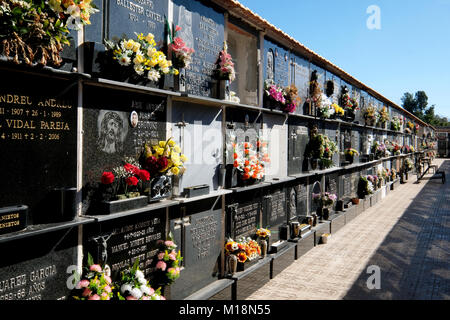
{"type": "Point", "coordinates": [325, 214]}
{"type": "Point", "coordinates": [224, 90]}
{"type": "Point", "coordinates": [314, 163]}
{"type": "Point", "coordinates": [232, 264]}
{"type": "Point", "coordinates": [180, 81]}
{"type": "Point", "coordinates": [349, 158]}
{"type": "Point", "coordinates": [263, 244]}
{"type": "Point", "coordinates": [168, 81]}
{"type": "Point", "coordinates": [349, 115]}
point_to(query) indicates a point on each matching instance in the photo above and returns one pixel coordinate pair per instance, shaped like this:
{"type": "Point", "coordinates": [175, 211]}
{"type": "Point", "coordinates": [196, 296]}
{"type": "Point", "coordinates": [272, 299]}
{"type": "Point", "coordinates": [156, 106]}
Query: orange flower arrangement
{"type": "Point", "coordinates": [244, 249]}
{"type": "Point", "coordinates": [249, 160]}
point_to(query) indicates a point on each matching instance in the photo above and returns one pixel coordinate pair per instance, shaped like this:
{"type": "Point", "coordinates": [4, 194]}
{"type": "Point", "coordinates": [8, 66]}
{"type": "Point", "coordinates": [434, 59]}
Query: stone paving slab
{"type": "Point", "coordinates": [407, 235]}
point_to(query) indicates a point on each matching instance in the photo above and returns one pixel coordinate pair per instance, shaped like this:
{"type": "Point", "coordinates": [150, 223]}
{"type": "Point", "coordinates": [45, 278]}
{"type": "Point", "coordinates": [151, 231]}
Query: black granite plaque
{"type": "Point", "coordinates": [244, 215]}
{"type": "Point", "coordinates": [109, 136]}
{"type": "Point", "coordinates": [297, 140]}
{"type": "Point", "coordinates": [38, 139]}
{"type": "Point", "coordinates": [275, 212]}
{"type": "Point", "coordinates": [348, 185]}
{"type": "Point", "coordinates": [356, 143]}
{"type": "Point", "coordinates": [202, 29]}
{"type": "Point", "coordinates": [315, 187]}
{"type": "Point", "coordinates": [201, 240]}
{"type": "Point", "coordinates": [302, 199]}
{"type": "Point", "coordinates": [123, 17]}
{"type": "Point", "coordinates": [39, 268]}
{"type": "Point", "coordinates": [332, 184]}
{"type": "Point", "coordinates": [332, 132]}
{"type": "Point", "coordinates": [276, 63]}
{"type": "Point", "coordinates": [120, 242]}
{"type": "Point", "coordinates": [300, 74]}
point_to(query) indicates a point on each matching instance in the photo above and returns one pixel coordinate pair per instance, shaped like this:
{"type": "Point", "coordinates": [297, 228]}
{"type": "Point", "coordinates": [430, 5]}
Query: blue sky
{"type": "Point", "coordinates": [410, 52]}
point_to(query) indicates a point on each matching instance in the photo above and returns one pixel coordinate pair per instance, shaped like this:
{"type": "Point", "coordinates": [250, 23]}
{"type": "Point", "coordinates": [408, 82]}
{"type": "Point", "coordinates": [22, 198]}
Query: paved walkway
{"type": "Point", "coordinates": [407, 235]}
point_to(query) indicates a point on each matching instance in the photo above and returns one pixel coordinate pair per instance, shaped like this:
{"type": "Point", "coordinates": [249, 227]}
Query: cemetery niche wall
{"type": "Point", "coordinates": [71, 134]}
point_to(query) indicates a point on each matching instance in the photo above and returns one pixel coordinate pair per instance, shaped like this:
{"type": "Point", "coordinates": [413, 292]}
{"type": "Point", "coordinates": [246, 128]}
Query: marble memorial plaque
{"type": "Point", "coordinates": [297, 140]}
{"type": "Point", "coordinates": [275, 212]}
{"type": "Point", "coordinates": [276, 63]}
{"type": "Point", "coordinates": [40, 267]}
{"type": "Point", "coordinates": [301, 76]}
{"type": "Point", "coordinates": [109, 136]}
{"type": "Point", "coordinates": [199, 137]}
{"type": "Point", "coordinates": [315, 188]}
{"type": "Point", "coordinates": [302, 199]}
{"type": "Point", "coordinates": [120, 242]}
{"type": "Point", "coordinates": [203, 30]}
{"type": "Point", "coordinates": [38, 141]}
{"type": "Point", "coordinates": [202, 242]}
{"type": "Point", "coordinates": [275, 131]}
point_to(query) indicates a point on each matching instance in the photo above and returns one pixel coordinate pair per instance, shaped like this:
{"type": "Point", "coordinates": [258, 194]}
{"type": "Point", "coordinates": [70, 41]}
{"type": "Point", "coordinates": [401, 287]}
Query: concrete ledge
{"type": "Point", "coordinates": [282, 260]}
{"type": "Point", "coordinates": [305, 244]}
{"type": "Point", "coordinates": [351, 213]}
{"type": "Point", "coordinates": [321, 229]}
{"type": "Point", "coordinates": [219, 290]}
{"type": "Point", "coordinates": [337, 222]}
{"type": "Point", "coordinates": [248, 281]}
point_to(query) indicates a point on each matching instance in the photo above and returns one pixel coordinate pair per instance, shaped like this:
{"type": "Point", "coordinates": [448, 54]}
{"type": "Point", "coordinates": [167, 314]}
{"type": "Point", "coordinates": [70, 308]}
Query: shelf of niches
{"type": "Point", "coordinates": [6, 64]}
{"type": "Point", "coordinates": [147, 209]}
{"type": "Point", "coordinates": [39, 229]}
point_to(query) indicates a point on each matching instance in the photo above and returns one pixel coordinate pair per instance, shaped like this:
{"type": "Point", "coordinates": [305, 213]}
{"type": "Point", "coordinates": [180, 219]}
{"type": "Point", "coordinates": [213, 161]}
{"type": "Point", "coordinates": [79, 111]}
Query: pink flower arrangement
{"type": "Point", "coordinates": [181, 54]}
{"type": "Point", "coordinates": [226, 66]}
{"type": "Point", "coordinates": [96, 285]}
{"type": "Point", "coordinates": [168, 264]}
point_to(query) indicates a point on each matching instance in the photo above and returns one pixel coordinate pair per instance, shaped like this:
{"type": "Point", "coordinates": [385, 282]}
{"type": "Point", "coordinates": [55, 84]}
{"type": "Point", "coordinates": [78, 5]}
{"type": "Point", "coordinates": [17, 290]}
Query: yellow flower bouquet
{"type": "Point", "coordinates": [140, 58]}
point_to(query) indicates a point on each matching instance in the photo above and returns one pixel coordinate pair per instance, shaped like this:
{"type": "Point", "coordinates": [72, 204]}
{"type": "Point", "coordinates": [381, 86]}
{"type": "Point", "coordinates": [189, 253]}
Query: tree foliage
{"type": "Point", "coordinates": [417, 104]}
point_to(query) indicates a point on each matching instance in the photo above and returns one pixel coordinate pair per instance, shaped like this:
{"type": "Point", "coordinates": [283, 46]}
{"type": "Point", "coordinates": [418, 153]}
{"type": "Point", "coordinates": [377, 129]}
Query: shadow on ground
{"type": "Point", "coordinates": [414, 259]}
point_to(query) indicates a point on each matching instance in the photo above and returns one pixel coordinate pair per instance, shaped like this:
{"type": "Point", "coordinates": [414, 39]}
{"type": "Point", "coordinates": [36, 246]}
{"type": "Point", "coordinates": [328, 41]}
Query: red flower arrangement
{"type": "Point", "coordinates": [127, 181]}
{"type": "Point", "coordinates": [181, 54]}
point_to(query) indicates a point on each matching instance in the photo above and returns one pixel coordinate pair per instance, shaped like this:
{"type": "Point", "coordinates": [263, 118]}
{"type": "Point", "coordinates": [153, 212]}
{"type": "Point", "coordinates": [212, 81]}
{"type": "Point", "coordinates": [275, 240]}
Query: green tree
{"type": "Point", "coordinates": [417, 104]}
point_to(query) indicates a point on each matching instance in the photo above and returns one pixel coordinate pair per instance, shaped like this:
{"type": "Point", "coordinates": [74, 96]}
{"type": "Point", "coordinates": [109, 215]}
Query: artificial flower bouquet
{"type": "Point", "coordinates": [396, 123]}
{"type": "Point", "coordinates": [181, 54]}
{"type": "Point", "coordinates": [370, 115]}
{"type": "Point", "coordinates": [274, 95]}
{"type": "Point", "coordinates": [349, 104]}
{"type": "Point", "coordinates": [338, 111]}
{"type": "Point", "coordinates": [350, 153]}
{"type": "Point", "coordinates": [139, 60]}
{"type": "Point", "coordinates": [376, 182]}
{"type": "Point", "coordinates": [168, 263]}
{"type": "Point", "coordinates": [324, 199]}
{"type": "Point", "coordinates": [292, 100]}
{"type": "Point", "coordinates": [244, 249]}
{"type": "Point", "coordinates": [324, 107]}
{"type": "Point", "coordinates": [134, 286]}
{"type": "Point", "coordinates": [225, 69]}
{"type": "Point", "coordinates": [320, 148]}
{"type": "Point", "coordinates": [250, 161]}
{"type": "Point", "coordinates": [126, 181]}
{"type": "Point", "coordinates": [383, 116]}
{"type": "Point", "coordinates": [365, 187]}
{"type": "Point", "coordinates": [263, 234]}
{"type": "Point", "coordinates": [163, 161]}
{"type": "Point", "coordinates": [408, 165]}
{"type": "Point", "coordinates": [95, 283]}
{"type": "Point", "coordinates": [36, 31]}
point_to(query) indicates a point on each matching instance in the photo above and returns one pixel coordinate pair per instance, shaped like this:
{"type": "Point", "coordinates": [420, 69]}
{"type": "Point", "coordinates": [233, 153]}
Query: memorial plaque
{"type": "Point", "coordinates": [332, 184]}
{"type": "Point", "coordinates": [199, 137]}
{"type": "Point", "coordinates": [320, 75]}
{"type": "Point", "coordinates": [109, 136]}
{"type": "Point", "coordinates": [315, 188]}
{"type": "Point", "coordinates": [276, 63]}
{"type": "Point", "coordinates": [203, 30]}
{"type": "Point", "coordinates": [364, 103]}
{"type": "Point", "coordinates": [38, 141]}
{"type": "Point", "coordinates": [244, 215]}
{"type": "Point", "coordinates": [275, 212]}
{"type": "Point", "coordinates": [302, 199]}
{"type": "Point", "coordinates": [120, 242]}
{"type": "Point", "coordinates": [332, 131]}
{"type": "Point", "coordinates": [275, 131]}
{"type": "Point", "coordinates": [348, 185]}
{"type": "Point", "coordinates": [356, 143]}
{"type": "Point", "coordinates": [41, 270]}
{"type": "Point", "coordinates": [336, 85]}
{"type": "Point", "coordinates": [297, 140]}
{"type": "Point", "coordinates": [202, 242]}
{"type": "Point", "coordinates": [301, 75]}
